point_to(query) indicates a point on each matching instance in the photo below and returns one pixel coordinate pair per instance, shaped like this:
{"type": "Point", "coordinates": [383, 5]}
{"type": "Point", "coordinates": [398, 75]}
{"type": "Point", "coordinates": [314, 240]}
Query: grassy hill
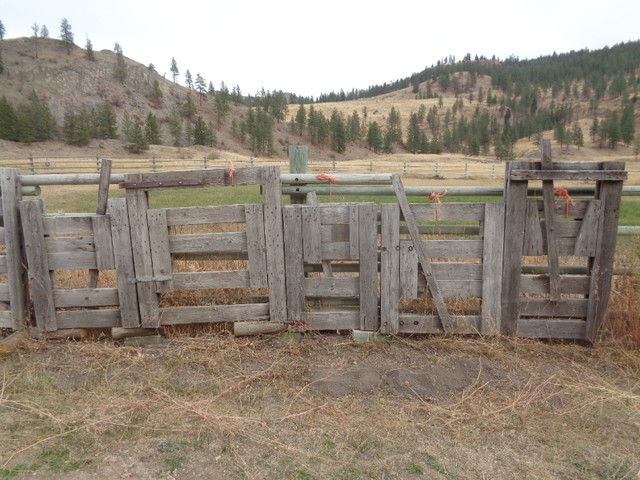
{"type": "Point", "coordinates": [68, 82]}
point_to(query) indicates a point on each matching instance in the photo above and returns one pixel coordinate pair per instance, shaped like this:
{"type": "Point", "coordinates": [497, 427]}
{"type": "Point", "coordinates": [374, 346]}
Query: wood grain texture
{"type": "Point", "coordinates": [389, 267]}
{"type": "Point", "coordinates": [369, 283]}
{"type": "Point", "coordinates": [159, 244]}
{"type": "Point", "coordinates": [492, 268]}
{"type": "Point", "coordinates": [256, 247]}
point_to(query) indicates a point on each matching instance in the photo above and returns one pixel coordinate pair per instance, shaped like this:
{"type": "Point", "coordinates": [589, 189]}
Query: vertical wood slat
{"type": "Point", "coordinates": [515, 204]}
{"type": "Point", "coordinates": [550, 223]}
{"type": "Point", "coordinates": [492, 252]}
{"type": "Point", "coordinates": [312, 249]}
{"type": "Point", "coordinates": [294, 266]}
{"type": "Point", "coordinates": [312, 199]}
{"type": "Point", "coordinates": [123, 258]}
{"type": "Point", "coordinates": [43, 305]}
{"type": "Point", "coordinates": [354, 232]}
{"type": "Point", "coordinates": [587, 238]}
{"type": "Point", "coordinates": [533, 241]}
{"type": "Point", "coordinates": [101, 209]}
{"type": "Point", "coordinates": [256, 247]}
{"type": "Point", "coordinates": [423, 256]}
{"type": "Point", "coordinates": [16, 273]}
{"type": "Point", "coordinates": [368, 253]}
{"type": "Point", "coordinates": [137, 206]}
{"type": "Point", "coordinates": [389, 267]}
{"type": "Point", "coordinates": [272, 201]}
{"type": "Point", "coordinates": [159, 244]}
{"type": "Point", "coordinates": [101, 226]}
{"type": "Point", "coordinates": [408, 271]}
{"type": "Point", "coordinates": [609, 193]}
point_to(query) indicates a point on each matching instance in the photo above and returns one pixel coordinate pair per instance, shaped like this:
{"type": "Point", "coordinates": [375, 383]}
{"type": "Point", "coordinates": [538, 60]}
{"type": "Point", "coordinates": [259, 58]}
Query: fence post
{"type": "Point", "coordinates": [98, 163]}
{"type": "Point", "coordinates": [437, 169]}
{"type": "Point", "coordinates": [251, 161]}
{"type": "Point", "coordinates": [466, 170]}
{"type": "Point", "coordinates": [493, 171]}
{"type": "Point", "coordinates": [204, 162]}
{"type": "Point", "coordinates": [153, 162]}
{"type": "Point", "coordinates": [334, 165]}
{"type": "Point", "coordinates": [298, 163]}
{"type": "Point", "coordinates": [371, 166]}
{"type": "Point", "coordinates": [404, 168]}
{"type": "Point", "coordinates": [33, 167]}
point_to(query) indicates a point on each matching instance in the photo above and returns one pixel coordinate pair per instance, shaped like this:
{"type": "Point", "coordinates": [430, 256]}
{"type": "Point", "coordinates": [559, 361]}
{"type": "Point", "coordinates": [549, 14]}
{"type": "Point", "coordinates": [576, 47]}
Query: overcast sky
{"type": "Point", "coordinates": [317, 47]}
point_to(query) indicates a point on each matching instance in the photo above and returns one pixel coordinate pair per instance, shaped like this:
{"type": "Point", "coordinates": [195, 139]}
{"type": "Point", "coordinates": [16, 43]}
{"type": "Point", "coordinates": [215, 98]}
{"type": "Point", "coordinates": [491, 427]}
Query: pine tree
{"type": "Point", "coordinates": [354, 126]}
{"type": "Point", "coordinates": [174, 69]}
{"type": "Point", "coordinates": [222, 103]}
{"type": "Point", "coordinates": [35, 29]}
{"type": "Point", "coordinates": [66, 35]}
{"type": "Point", "coordinates": [627, 125]}
{"type": "Point", "coordinates": [175, 127]}
{"type": "Point", "coordinates": [189, 108]}
{"type": "Point", "coordinates": [152, 130]}
{"type": "Point", "coordinates": [413, 134]}
{"type": "Point", "coordinates": [188, 79]}
{"type": "Point", "coordinates": [156, 94]}
{"type": "Point", "coordinates": [301, 117]}
{"type": "Point", "coordinates": [577, 136]}
{"type": "Point", "coordinates": [120, 69]}
{"type": "Point", "coordinates": [89, 53]}
{"type": "Point", "coordinates": [42, 119]}
{"type": "Point", "coordinates": [394, 127]}
{"type": "Point", "coordinates": [201, 86]}
{"type": "Point", "coordinates": [137, 140]}
{"type": "Point", "coordinates": [338, 132]}
{"type": "Point", "coordinates": [8, 121]}
{"type": "Point", "coordinates": [44, 32]}
{"type": "Point", "coordinates": [374, 137]}
{"type": "Point", "coordinates": [200, 132]}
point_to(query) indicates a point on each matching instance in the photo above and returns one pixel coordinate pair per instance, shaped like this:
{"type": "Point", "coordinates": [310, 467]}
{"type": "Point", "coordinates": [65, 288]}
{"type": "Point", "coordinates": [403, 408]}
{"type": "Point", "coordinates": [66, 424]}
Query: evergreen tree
{"type": "Point", "coordinates": [374, 137]}
{"type": "Point", "coordinates": [627, 125]}
{"type": "Point", "coordinates": [301, 117]}
{"type": "Point", "coordinates": [189, 108]}
{"type": "Point", "coordinates": [137, 140]}
{"type": "Point", "coordinates": [222, 103]}
{"type": "Point", "coordinates": [413, 134]}
{"type": "Point", "coordinates": [174, 69]}
{"type": "Point", "coordinates": [201, 86]}
{"type": "Point", "coordinates": [36, 30]}
{"type": "Point", "coordinates": [338, 132]}
{"type": "Point", "coordinates": [90, 55]}
{"type": "Point", "coordinates": [2, 30]}
{"type": "Point", "coordinates": [76, 129]}
{"type": "Point", "coordinates": [156, 94]}
{"type": "Point", "coordinates": [354, 126]}
{"type": "Point", "coordinates": [577, 136]}
{"type": "Point", "coordinates": [175, 127]}
{"type": "Point", "coordinates": [200, 132]}
{"type": "Point", "coordinates": [120, 68]}
{"type": "Point", "coordinates": [126, 125]}
{"type": "Point", "coordinates": [24, 127]}
{"type": "Point", "coordinates": [8, 121]}
{"type": "Point", "coordinates": [108, 125]}
{"type": "Point", "coordinates": [66, 35]}
{"type": "Point", "coordinates": [394, 127]}
{"type": "Point", "coordinates": [44, 124]}
{"type": "Point", "coordinates": [152, 130]}
{"type": "Point", "coordinates": [44, 32]}
{"type": "Point", "coordinates": [188, 79]}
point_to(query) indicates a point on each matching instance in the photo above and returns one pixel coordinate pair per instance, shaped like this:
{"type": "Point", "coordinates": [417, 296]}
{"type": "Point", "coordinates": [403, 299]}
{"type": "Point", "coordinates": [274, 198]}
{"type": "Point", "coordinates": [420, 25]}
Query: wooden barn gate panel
{"type": "Point", "coordinates": [568, 232]}
{"type": "Point", "coordinates": [467, 272]}
{"type": "Point", "coordinates": [332, 265]}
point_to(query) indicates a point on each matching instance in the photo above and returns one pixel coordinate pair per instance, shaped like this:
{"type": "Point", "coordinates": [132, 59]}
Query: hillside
{"type": "Point", "coordinates": [69, 82]}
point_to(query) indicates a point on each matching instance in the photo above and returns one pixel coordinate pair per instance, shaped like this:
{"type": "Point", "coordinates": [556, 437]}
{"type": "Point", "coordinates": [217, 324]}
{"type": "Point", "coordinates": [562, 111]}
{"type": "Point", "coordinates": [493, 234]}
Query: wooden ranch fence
{"type": "Point", "coordinates": [329, 266]}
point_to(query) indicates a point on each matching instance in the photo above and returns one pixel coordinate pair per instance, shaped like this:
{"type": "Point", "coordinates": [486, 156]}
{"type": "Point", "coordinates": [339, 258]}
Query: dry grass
{"type": "Point", "coordinates": [321, 407]}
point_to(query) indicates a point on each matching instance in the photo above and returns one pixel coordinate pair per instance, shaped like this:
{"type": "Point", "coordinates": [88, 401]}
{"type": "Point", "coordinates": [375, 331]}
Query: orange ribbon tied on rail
{"type": "Point", "coordinates": [232, 170]}
{"type": "Point", "coordinates": [563, 192]}
{"type": "Point", "coordinates": [436, 198]}
{"type": "Point", "coordinates": [324, 176]}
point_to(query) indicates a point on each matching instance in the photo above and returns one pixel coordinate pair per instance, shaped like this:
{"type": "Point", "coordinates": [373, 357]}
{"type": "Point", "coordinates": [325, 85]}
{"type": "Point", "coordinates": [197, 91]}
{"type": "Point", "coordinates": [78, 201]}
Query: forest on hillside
{"type": "Point", "coordinates": [525, 98]}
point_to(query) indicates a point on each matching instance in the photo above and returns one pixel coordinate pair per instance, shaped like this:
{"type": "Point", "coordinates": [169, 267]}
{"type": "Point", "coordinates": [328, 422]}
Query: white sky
{"type": "Point", "coordinates": [317, 47]}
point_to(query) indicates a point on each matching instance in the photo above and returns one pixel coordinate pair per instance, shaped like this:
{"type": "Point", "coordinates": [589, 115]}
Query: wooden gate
{"type": "Point", "coordinates": [153, 252]}
{"type": "Point", "coordinates": [570, 233]}
{"type": "Point", "coordinates": [467, 272]}
{"type": "Point", "coordinates": [332, 265]}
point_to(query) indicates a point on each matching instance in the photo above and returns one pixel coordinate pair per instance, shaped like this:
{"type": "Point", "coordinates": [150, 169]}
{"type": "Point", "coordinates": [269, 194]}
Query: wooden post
{"type": "Point", "coordinates": [101, 209]}
{"type": "Point", "coordinates": [294, 268]}
{"type": "Point", "coordinates": [368, 256]}
{"type": "Point", "coordinates": [492, 251]}
{"type": "Point", "coordinates": [298, 163]}
{"type": "Point", "coordinates": [16, 271]}
{"type": "Point", "coordinates": [550, 222]}
{"type": "Point", "coordinates": [515, 208]}
{"type": "Point", "coordinates": [41, 285]}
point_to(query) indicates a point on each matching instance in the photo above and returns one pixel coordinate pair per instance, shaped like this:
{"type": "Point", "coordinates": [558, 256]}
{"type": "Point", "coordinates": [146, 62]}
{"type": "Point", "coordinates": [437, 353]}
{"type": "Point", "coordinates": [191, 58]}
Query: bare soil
{"type": "Point", "coordinates": [312, 406]}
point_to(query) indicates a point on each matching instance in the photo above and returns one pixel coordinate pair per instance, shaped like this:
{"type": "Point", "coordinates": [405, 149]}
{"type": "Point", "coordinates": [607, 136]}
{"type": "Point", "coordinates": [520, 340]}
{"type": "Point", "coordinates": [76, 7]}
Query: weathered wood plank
{"type": "Point", "coordinates": [423, 253]}
{"type": "Point", "coordinates": [550, 175]}
{"type": "Point", "coordinates": [338, 213]}
{"type": "Point", "coordinates": [1, 235]}
{"type": "Point", "coordinates": [86, 297]}
{"type": "Point", "coordinates": [449, 270]}
{"type": "Point", "coordinates": [294, 267]}
{"type": "Point", "coordinates": [5, 319]}
{"type": "Point", "coordinates": [311, 247]}
{"type": "Point", "coordinates": [543, 307]}
{"type": "Point", "coordinates": [587, 237]}
{"type": "Point", "coordinates": [78, 244]}
{"type": "Point", "coordinates": [217, 177]}
{"type": "Point", "coordinates": [333, 286]}
{"type": "Point", "coordinates": [67, 225]}
{"type": "Point", "coordinates": [89, 318]}
{"type": "Point", "coordinates": [123, 257]}
{"type": "Point", "coordinates": [515, 206]}
{"type": "Point", "coordinates": [469, 212]}
{"type": "Point", "coordinates": [103, 244]}
{"type": "Point", "coordinates": [72, 261]}
{"type": "Point", "coordinates": [214, 313]}
{"type": "Point", "coordinates": [257, 328]}
{"type": "Point", "coordinates": [453, 248]}
{"type": "Point", "coordinates": [338, 319]}
{"type": "Point", "coordinates": [576, 210]}
{"type": "Point", "coordinates": [256, 248]}
{"type": "Point", "coordinates": [336, 251]}
{"type": "Point", "coordinates": [15, 261]}
{"type": "Point", "coordinates": [101, 209]}
{"type": "Point", "coordinates": [3, 264]}
{"type": "Point", "coordinates": [205, 215]}
{"type": "Point", "coordinates": [460, 324]}
{"type": "Point", "coordinates": [160, 250]}
{"type": "Point", "coordinates": [389, 267]}
{"type": "Point", "coordinates": [569, 284]}
{"type": "Point", "coordinates": [550, 222]}
{"type": "Point", "coordinates": [609, 194]}
{"type": "Point", "coordinates": [368, 253]}
{"type": "Point", "coordinates": [41, 285]}
{"type": "Point", "coordinates": [4, 292]}
{"type": "Point", "coordinates": [272, 200]}
{"type": "Point", "coordinates": [533, 240]}
{"type": "Point", "coordinates": [452, 288]}
{"type": "Point", "coordinates": [552, 328]}
{"type": "Point", "coordinates": [208, 242]}
{"type": "Point", "coordinates": [492, 268]}
{"type": "Point", "coordinates": [211, 280]}
{"type": "Point", "coordinates": [409, 271]}
{"type": "Point", "coordinates": [354, 232]}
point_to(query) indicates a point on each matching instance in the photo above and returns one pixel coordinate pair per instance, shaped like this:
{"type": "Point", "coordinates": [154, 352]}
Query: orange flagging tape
{"type": "Point", "coordinates": [232, 170]}
{"type": "Point", "coordinates": [562, 192]}
{"type": "Point", "coordinates": [436, 198]}
{"type": "Point", "coordinates": [324, 176]}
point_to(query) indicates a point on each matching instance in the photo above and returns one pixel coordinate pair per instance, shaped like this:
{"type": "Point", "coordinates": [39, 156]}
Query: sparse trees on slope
{"type": "Point", "coordinates": [152, 130]}
{"type": "Point", "coordinates": [201, 86]}
{"type": "Point", "coordinates": [66, 35]}
{"type": "Point", "coordinates": [44, 32]}
{"type": "Point", "coordinates": [36, 30]}
{"type": "Point", "coordinates": [188, 79]}
{"type": "Point", "coordinates": [120, 69]}
{"type": "Point", "coordinates": [90, 55]}
{"type": "Point", "coordinates": [174, 69]}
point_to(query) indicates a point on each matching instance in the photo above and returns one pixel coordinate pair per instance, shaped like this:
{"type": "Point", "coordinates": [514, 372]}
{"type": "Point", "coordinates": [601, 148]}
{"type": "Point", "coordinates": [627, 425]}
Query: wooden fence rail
{"type": "Point", "coordinates": [329, 266]}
